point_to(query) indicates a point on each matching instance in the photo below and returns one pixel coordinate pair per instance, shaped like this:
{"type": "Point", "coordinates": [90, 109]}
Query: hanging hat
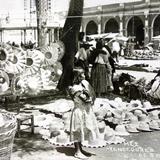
{"type": "Point", "coordinates": [153, 125]}
{"type": "Point", "coordinates": [121, 130]}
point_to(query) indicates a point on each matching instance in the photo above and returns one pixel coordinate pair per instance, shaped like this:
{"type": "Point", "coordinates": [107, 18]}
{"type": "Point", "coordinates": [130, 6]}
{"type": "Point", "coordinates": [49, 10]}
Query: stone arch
{"type": "Point", "coordinates": [111, 26]}
{"type": "Point", "coordinates": [156, 25]}
{"type": "Point", "coordinates": [135, 28]}
{"type": "Point", "coordinates": [91, 28]}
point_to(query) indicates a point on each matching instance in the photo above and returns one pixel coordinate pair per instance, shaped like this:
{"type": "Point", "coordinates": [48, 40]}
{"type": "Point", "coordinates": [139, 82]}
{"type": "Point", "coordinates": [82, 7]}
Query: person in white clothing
{"type": "Point", "coordinates": [116, 49]}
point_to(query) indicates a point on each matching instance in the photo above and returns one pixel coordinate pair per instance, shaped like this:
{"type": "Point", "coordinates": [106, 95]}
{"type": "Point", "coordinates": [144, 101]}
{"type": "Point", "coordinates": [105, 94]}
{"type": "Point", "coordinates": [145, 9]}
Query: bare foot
{"type": "Point", "coordinates": [80, 155]}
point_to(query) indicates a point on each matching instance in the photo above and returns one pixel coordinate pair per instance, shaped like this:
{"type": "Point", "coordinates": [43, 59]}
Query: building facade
{"type": "Point", "coordinates": [138, 18]}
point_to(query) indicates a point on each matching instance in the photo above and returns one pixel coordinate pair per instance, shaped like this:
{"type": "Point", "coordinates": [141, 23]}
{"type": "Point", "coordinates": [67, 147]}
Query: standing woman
{"type": "Point", "coordinates": [101, 71]}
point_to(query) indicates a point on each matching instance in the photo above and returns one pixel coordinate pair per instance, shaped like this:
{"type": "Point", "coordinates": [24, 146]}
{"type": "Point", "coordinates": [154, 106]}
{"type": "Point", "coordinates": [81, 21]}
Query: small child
{"type": "Point", "coordinates": [83, 121]}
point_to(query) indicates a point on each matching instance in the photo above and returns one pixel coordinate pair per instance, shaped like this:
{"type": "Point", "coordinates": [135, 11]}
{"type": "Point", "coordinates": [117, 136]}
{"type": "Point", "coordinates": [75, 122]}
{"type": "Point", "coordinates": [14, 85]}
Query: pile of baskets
{"type": "Point", "coordinates": [7, 134]}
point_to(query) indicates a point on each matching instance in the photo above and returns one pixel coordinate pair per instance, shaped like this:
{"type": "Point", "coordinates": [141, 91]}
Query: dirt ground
{"type": "Point", "coordinates": [139, 146]}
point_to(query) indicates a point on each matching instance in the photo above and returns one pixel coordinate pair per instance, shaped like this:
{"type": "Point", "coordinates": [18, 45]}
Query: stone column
{"type": "Point", "coordinates": [146, 30]}
{"type": "Point", "coordinates": [99, 19]}
{"type": "Point", "coordinates": [121, 25]}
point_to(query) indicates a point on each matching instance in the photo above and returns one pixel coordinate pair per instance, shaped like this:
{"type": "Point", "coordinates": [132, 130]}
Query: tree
{"type": "Point", "coordinates": [70, 39]}
{"type": "Point", "coordinates": [41, 9]}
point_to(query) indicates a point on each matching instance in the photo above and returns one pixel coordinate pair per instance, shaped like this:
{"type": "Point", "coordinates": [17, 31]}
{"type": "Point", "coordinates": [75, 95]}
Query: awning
{"type": "Point", "coordinates": [156, 38]}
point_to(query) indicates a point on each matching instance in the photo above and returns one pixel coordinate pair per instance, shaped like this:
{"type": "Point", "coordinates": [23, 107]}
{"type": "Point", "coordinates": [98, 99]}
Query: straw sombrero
{"type": "Point", "coordinates": [143, 123]}
{"type": "Point", "coordinates": [131, 127]}
{"type": "Point", "coordinates": [121, 130]}
{"type": "Point", "coordinates": [153, 125]}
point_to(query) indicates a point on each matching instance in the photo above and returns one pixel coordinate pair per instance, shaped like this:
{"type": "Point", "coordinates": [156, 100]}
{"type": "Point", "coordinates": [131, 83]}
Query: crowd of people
{"type": "Point", "coordinates": [98, 63]}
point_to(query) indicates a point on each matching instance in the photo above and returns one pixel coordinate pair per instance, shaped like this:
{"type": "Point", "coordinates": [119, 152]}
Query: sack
{"type": "Point", "coordinates": [155, 89]}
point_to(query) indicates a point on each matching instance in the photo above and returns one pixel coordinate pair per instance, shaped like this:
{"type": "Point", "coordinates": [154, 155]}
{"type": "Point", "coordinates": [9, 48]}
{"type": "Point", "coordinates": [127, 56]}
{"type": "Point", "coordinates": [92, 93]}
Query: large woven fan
{"type": "Point", "coordinates": [45, 77]}
{"type": "Point", "coordinates": [57, 71]}
{"type": "Point", "coordinates": [34, 84]}
{"type": "Point", "coordinates": [4, 81]}
{"type": "Point", "coordinates": [61, 49]}
{"type": "Point", "coordinates": [50, 54]}
{"type": "Point", "coordinates": [18, 62]}
{"type": "Point", "coordinates": [17, 85]}
{"type": "Point", "coordinates": [34, 60]}
{"type": "Point", "coordinates": [27, 84]}
{"type": "Point", "coordinates": [6, 54]}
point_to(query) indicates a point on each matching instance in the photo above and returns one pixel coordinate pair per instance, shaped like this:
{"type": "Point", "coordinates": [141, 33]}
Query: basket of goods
{"type": "Point", "coordinates": [8, 126]}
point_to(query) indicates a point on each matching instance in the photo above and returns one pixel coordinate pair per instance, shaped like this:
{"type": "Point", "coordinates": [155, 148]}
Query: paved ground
{"type": "Point", "coordinates": [139, 146]}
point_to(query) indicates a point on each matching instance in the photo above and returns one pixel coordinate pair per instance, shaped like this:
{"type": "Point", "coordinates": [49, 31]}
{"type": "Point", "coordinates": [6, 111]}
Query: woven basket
{"type": "Point", "coordinates": [7, 134]}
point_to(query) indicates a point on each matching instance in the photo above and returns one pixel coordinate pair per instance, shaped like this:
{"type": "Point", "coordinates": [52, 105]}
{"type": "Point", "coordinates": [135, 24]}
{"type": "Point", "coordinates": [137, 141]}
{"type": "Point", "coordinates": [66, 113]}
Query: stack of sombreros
{"type": "Point", "coordinates": [132, 124]}
{"type": "Point", "coordinates": [154, 122]}
{"type": "Point", "coordinates": [144, 123]}
{"type": "Point", "coordinates": [110, 136]}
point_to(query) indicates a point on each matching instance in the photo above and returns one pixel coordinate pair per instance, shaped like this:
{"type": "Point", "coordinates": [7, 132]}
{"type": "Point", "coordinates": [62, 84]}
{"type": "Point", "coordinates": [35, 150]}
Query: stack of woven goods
{"type": "Point", "coordinates": [8, 126]}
